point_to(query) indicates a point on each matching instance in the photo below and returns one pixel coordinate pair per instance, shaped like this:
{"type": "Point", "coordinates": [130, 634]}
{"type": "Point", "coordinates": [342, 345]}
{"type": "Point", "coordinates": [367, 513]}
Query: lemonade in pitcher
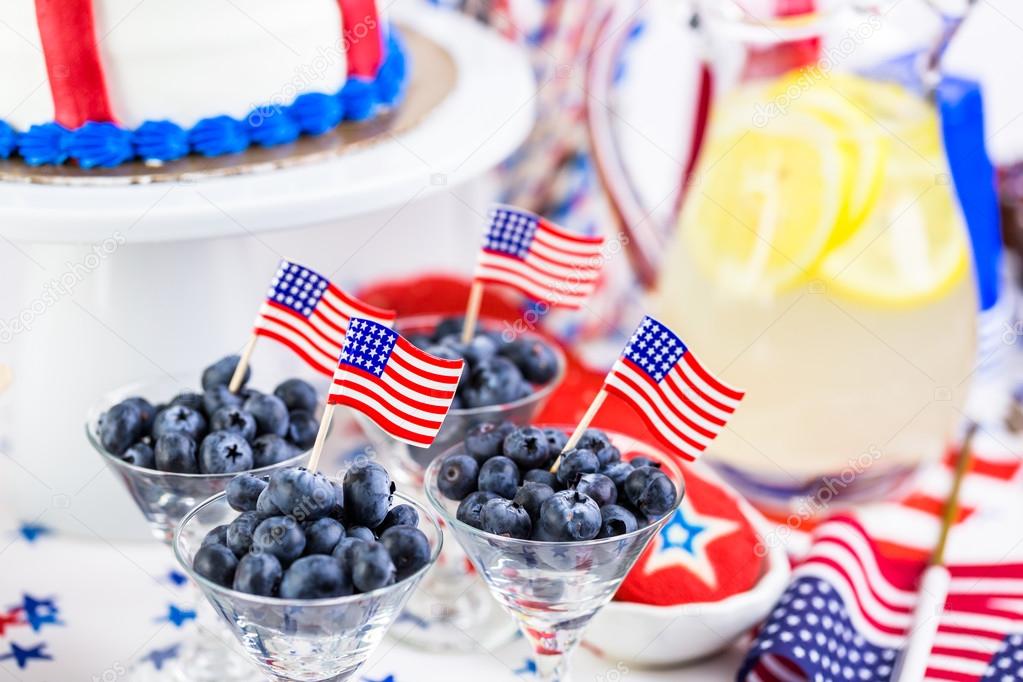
{"type": "Point", "coordinates": [821, 263]}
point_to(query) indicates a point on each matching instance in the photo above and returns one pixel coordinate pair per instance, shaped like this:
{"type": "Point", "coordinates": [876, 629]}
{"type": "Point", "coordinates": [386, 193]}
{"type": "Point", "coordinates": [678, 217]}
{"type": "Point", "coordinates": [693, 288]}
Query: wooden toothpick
{"type": "Point", "coordinates": [243, 363]}
{"type": "Point", "coordinates": [472, 310]}
{"type": "Point", "coordinates": [580, 429]}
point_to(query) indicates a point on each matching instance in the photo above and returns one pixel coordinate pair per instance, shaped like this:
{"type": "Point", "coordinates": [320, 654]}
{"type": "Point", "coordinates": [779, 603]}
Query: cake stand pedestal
{"type": "Point", "coordinates": [106, 285]}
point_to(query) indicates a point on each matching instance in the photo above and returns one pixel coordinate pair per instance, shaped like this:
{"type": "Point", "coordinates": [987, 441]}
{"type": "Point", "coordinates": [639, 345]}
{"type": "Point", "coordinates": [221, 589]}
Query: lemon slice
{"type": "Point", "coordinates": [911, 249]}
{"type": "Point", "coordinates": [765, 203]}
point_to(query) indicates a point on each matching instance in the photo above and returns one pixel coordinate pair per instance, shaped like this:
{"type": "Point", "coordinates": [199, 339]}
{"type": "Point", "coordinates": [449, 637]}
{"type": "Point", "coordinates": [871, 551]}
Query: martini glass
{"type": "Point", "coordinates": [164, 498]}
{"type": "Point", "coordinates": [453, 610]}
{"type": "Point", "coordinates": [291, 639]}
{"type": "Point", "coordinates": [552, 589]}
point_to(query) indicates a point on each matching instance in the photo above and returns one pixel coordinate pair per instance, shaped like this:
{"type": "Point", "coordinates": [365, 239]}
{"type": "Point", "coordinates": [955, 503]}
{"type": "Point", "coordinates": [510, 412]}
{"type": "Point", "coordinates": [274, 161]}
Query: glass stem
{"type": "Point", "coordinates": [552, 667]}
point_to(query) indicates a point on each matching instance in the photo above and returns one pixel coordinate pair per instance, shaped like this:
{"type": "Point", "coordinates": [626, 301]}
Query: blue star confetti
{"type": "Point", "coordinates": [177, 578]}
{"type": "Point", "coordinates": [177, 616]}
{"type": "Point", "coordinates": [160, 656]}
{"type": "Point", "coordinates": [40, 612]}
{"type": "Point", "coordinates": [528, 668]}
{"type": "Point", "coordinates": [23, 656]}
{"type": "Point", "coordinates": [406, 617]}
{"type": "Point", "coordinates": [389, 678]}
{"type": "Point", "coordinates": [33, 531]}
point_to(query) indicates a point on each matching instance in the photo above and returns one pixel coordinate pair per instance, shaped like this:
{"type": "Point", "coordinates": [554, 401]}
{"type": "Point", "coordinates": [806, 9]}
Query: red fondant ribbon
{"type": "Point", "coordinates": [68, 34]}
{"type": "Point", "coordinates": [363, 37]}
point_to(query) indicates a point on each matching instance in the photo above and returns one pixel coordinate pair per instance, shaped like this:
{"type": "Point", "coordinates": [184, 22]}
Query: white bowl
{"type": "Point", "coordinates": [661, 636]}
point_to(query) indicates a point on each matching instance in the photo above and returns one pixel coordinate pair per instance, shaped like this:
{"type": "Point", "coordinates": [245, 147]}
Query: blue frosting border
{"type": "Point", "coordinates": [105, 145]}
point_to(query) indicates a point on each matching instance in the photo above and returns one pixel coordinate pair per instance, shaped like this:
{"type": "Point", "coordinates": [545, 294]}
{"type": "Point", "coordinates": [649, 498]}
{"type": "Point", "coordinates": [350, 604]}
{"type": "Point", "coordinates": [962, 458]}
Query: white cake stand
{"type": "Point", "coordinates": [167, 276]}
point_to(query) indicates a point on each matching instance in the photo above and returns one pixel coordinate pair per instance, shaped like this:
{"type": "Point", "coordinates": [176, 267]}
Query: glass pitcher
{"type": "Point", "coordinates": [821, 262]}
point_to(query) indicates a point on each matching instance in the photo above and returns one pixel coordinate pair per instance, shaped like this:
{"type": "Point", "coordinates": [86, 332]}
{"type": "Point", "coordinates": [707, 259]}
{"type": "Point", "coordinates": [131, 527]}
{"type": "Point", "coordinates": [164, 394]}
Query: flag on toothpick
{"type": "Point", "coordinates": [405, 391]}
{"type": "Point", "coordinates": [848, 614]}
{"type": "Point", "coordinates": [309, 315]}
{"type": "Point", "coordinates": [681, 402]}
{"type": "Point", "coordinates": [540, 259]}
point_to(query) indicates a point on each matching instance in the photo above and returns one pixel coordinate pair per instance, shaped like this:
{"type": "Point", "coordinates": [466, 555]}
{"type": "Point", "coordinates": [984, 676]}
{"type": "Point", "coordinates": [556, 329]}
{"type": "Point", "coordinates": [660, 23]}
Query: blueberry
{"type": "Point", "coordinates": [362, 533]}
{"type": "Point", "coordinates": [568, 516]}
{"type": "Point", "coordinates": [598, 487]}
{"type": "Point", "coordinates": [638, 462]}
{"type": "Point", "coordinates": [215, 563]}
{"type": "Point", "coordinates": [141, 455]}
{"type": "Point", "coordinates": [472, 506]}
{"type": "Point", "coordinates": [372, 567]}
{"type": "Point", "coordinates": [234, 419]}
{"type": "Point", "coordinates": [506, 518]}
{"type": "Point", "coordinates": [556, 440]}
{"type": "Point", "coordinates": [527, 447]}
{"type": "Point", "coordinates": [594, 440]}
{"type": "Point", "coordinates": [175, 452]}
{"type": "Point", "coordinates": [303, 494]}
{"type": "Point", "coordinates": [650, 490]}
{"type": "Point", "coordinates": [216, 536]}
{"type": "Point", "coordinates": [322, 535]}
{"type": "Point", "coordinates": [221, 371]}
{"type": "Point", "coordinates": [120, 427]}
{"type": "Point", "coordinates": [408, 547]}
{"type": "Point", "coordinates": [297, 395]}
{"type": "Point", "coordinates": [243, 492]}
{"type": "Point", "coordinates": [448, 326]}
{"type": "Point", "coordinates": [192, 401]}
{"type": "Point", "coordinates": [302, 428]}
{"type": "Point", "coordinates": [270, 449]}
{"type": "Point", "coordinates": [258, 574]}
{"type": "Point", "coordinates": [280, 536]}
{"type": "Point", "coordinates": [145, 408]}
{"type": "Point", "coordinates": [347, 548]}
{"type": "Point", "coordinates": [265, 506]}
{"type": "Point", "coordinates": [484, 441]}
{"type": "Point", "coordinates": [422, 341]}
{"type": "Point", "coordinates": [224, 452]}
{"type": "Point", "coordinates": [479, 349]}
{"type": "Point", "coordinates": [617, 472]}
{"type": "Point", "coordinates": [542, 476]}
{"type": "Point", "coordinates": [270, 412]}
{"type": "Point", "coordinates": [535, 359]}
{"type": "Point", "coordinates": [616, 520]}
{"type": "Point", "coordinates": [218, 398]}
{"type": "Point", "coordinates": [399, 515]}
{"type": "Point", "coordinates": [315, 577]}
{"type": "Point", "coordinates": [494, 382]}
{"type": "Point", "coordinates": [239, 532]}
{"type": "Point", "coordinates": [457, 476]}
{"type": "Point", "coordinates": [499, 475]}
{"type": "Point", "coordinates": [367, 489]}
{"type": "Point", "coordinates": [337, 512]}
{"type": "Point", "coordinates": [576, 462]}
{"type": "Point", "coordinates": [179, 419]}
{"type": "Point", "coordinates": [531, 497]}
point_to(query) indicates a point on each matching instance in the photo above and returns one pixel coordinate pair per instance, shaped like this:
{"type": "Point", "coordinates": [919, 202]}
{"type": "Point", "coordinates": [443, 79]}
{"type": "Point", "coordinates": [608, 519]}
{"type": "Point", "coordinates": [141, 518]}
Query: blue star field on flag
{"type": "Point", "coordinates": [368, 346]}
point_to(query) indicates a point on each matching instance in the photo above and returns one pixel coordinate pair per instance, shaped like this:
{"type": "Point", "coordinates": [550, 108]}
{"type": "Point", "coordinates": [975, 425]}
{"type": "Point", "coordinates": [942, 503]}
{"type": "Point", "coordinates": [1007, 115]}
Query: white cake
{"type": "Point", "coordinates": [100, 82]}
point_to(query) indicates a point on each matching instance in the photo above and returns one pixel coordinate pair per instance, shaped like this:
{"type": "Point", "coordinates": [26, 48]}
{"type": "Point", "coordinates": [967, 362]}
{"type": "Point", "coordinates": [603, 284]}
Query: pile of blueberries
{"type": "Point", "coordinates": [497, 371]}
{"type": "Point", "coordinates": [301, 535]}
{"type": "Point", "coordinates": [505, 487]}
{"type": "Point", "coordinates": [216, 431]}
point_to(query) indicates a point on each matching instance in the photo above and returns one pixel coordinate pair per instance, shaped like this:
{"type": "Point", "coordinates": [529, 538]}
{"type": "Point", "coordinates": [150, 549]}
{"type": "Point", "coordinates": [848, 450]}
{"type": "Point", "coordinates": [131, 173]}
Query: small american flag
{"type": "Point", "coordinates": [405, 391]}
{"type": "Point", "coordinates": [309, 315]}
{"type": "Point", "coordinates": [681, 402]}
{"type": "Point", "coordinates": [846, 614]}
{"type": "Point", "coordinates": [538, 258]}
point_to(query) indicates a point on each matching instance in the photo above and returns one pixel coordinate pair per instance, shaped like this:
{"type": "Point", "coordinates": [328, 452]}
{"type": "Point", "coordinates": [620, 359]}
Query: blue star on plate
{"type": "Point", "coordinates": [23, 656]}
{"type": "Point", "coordinates": [160, 656]}
{"type": "Point", "coordinates": [176, 616]}
{"type": "Point", "coordinates": [40, 612]}
{"type": "Point", "coordinates": [684, 539]}
{"type": "Point", "coordinates": [33, 531]}
{"type": "Point", "coordinates": [680, 533]}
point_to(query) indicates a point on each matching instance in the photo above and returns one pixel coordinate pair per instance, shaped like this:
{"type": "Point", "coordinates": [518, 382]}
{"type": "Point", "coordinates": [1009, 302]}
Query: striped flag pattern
{"type": "Point", "coordinates": [680, 401]}
{"type": "Point", "coordinates": [538, 258]}
{"type": "Point", "coordinates": [404, 390]}
{"type": "Point", "coordinates": [848, 610]}
{"type": "Point", "coordinates": [309, 315]}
